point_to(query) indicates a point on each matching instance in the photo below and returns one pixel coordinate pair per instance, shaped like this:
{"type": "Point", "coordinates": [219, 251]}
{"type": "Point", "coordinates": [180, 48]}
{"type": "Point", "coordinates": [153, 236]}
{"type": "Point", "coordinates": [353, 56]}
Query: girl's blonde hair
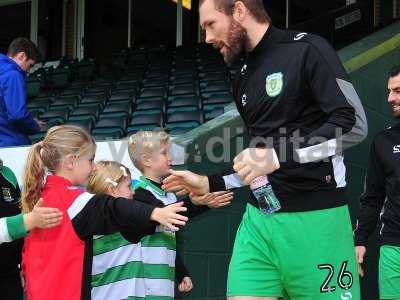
{"type": "Point", "coordinates": [145, 142]}
{"type": "Point", "coordinates": [47, 155]}
{"type": "Point", "coordinates": [107, 174]}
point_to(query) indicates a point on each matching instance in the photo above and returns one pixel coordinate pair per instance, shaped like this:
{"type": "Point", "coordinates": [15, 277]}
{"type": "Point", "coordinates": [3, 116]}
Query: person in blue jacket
{"type": "Point", "coordinates": [16, 122]}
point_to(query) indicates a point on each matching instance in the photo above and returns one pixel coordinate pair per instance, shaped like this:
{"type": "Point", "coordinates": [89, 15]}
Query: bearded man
{"type": "Point", "coordinates": [295, 239]}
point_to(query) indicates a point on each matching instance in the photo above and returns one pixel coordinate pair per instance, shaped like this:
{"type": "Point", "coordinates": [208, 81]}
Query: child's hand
{"type": "Point", "coordinates": [169, 215]}
{"type": "Point", "coordinates": [23, 282]}
{"type": "Point", "coordinates": [212, 200]}
{"type": "Point", "coordinates": [42, 217]}
{"type": "Point", "coordinates": [186, 285]}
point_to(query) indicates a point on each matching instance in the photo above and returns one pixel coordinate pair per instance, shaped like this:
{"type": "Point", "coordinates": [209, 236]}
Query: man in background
{"type": "Point", "coordinates": [16, 122]}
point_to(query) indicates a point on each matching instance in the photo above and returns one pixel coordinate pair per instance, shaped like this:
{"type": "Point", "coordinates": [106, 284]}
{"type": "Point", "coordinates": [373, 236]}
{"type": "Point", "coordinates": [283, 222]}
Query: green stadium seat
{"type": "Point", "coordinates": [118, 110]}
{"type": "Point", "coordinates": [86, 124]}
{"type": "Point", "coordinates": [99, 100]}
{"type": "Point", "coordinates": [59, 116]}
{"type": "Point", "coordinates": [185, 119]}
{"type": "Point", "coordinates": [87, 112]}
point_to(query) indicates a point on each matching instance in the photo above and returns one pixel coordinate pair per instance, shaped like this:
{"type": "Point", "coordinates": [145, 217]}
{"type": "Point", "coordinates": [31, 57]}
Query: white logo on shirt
{"type": "Point", "coordinates": [300, 36]}
{"type": "Point", "coordinates": [396, 149]}
{"type": "Point", "coordinates": [243, 70]}
{"type": "Point", "coordinates": [244, 100]}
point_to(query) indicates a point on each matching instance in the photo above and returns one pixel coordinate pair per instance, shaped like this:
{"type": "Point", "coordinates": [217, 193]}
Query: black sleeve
{"type": "Point", "coordinates": [345, 124]}
{"type": "Point", "coordinates": [372, 199]}
{"type": "Point", "coordinates": [180, 269]}
{"type": "Point", "coordinates": [134, 235]}
{"type": "Point", "coordinates": [102, 214]}
{"type": "Point", "coordinates": [194, 210]}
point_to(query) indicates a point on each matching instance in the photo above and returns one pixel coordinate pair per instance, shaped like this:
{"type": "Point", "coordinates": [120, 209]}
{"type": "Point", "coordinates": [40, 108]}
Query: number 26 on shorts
{"type": "Point", "coordinates": [344, 279]}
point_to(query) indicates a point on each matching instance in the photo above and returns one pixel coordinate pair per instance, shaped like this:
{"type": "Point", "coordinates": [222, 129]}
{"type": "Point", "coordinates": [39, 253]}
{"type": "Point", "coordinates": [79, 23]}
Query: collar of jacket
{"type": "Point", "coordinates": [271, 36]}
{"type": "Point", "coordinates": [57, 180]}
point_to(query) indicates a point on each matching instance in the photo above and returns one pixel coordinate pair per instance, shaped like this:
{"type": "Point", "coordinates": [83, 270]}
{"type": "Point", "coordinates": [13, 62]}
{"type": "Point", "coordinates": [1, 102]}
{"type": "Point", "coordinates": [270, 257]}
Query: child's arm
{"type": "Point", "coordinates": [182, 276]}
{"type": "Point", "coordinates": [180, 269]}
{"type": "Point", "coordinates": [42, 217]}
{"type": "Point", "coordinates": [102, 214]}
{"type": "Point", "coordinates": [134, 235]}
{"type": "Point", "coordinates": [16, 227]}
{"type": "Point", "coordinates": [4, 235]}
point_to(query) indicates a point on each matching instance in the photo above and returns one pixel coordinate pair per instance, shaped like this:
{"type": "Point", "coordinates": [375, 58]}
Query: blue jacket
{"type": "Point", "coordinates": [16, 122]}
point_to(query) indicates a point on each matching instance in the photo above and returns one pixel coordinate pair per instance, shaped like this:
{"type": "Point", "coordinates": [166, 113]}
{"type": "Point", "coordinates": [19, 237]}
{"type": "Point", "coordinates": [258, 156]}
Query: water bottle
{"type": "Point", "coordinates": [262, 190]}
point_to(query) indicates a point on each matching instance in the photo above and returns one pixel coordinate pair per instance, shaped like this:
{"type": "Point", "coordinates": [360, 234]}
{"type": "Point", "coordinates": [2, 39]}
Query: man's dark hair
{"type": "Point", "coordinates": [256, 8]}
{"type": "Point", "coordinates": [394, 71]}
{"type": "Point", "coordinates": [24, 45]}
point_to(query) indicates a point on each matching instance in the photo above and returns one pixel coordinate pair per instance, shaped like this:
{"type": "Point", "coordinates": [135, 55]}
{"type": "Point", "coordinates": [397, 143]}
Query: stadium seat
{"type": "Point", "coordinates": [118, 110]}
{"type": "Point", "coordinates": [105, 95]}
{"type": "Point", "coordinates": [86, 124]}
{"type": "Point", "coordinates": [151, 105]}
{"type": "Point", "coordinates": [216, 100]}
{"type": "Point", "coordinates": [72, 91]}
{"type": "Point", "coordinates": [185, 119]}
{"type": "Point", "coordinates": [112, 127]}
{"type": "Point", "coordinates": [93, 90]}
{"type": "Point", "coordinates": [212, 68]}
{"type": "Point", "coordinates": [68, 102]}
{"type": "Point", "coordinates": [59, 78]}
{"type": "Point", "coordinates": [154, 92]}
{"type": "Point", "coordinates": [85, 69]}
{"type": "Point", "coordinates": [155, 82]}
{"type": "Point", "coordinates": [183, 79]}
{"type": "Point", "coordinates": [104, 135]}
{"type": "Point", "coordinates": [147, 112]}
{"type": "Point", "coordinates": [214, 76]}
{"type": "Point", "coordinates": [87, 112]}
{"type": "Point", "coordinates": [122, 97]}
{"type": "Point", "coordinates": [33, 87]}
{"type": "Point", "coordinates": [187, 89]}
{"type": "Point", "coordinates": [41, 105]}
{"type": "Point", "coordinates": [93, 99]}
{"type": "Point", "coordinates": [127, 85]}
{"type": "Point", "coordinates": [179, 130]}
{"type": "Point", "coordinates": [145, 122]}
{"type": "Point", "coordinates": [59, 116]}
{"type": "Point", "coordinates": [214, 86]}
{"type": "Point", "coordinates": [218, 97]}
{"type": "Point", "coordinates": [185, 100]}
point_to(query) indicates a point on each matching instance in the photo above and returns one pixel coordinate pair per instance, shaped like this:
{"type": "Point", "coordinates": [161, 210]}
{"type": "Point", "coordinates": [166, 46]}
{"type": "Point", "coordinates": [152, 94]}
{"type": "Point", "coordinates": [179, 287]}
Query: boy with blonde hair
{"type": "Point", "coordinates": [149, 152]}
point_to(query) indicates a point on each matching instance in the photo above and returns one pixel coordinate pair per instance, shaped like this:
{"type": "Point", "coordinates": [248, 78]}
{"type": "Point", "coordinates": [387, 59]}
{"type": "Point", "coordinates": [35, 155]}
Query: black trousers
{"type": "Point", "coordinates": [11, 288]}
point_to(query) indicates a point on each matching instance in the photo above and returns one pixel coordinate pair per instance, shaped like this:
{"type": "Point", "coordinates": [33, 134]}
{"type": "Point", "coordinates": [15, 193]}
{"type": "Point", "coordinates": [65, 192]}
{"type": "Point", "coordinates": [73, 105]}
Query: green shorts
{"type": "Point", "coordinates": [389, 273]}
{"type": "Point", "coordinates": [300, 256]}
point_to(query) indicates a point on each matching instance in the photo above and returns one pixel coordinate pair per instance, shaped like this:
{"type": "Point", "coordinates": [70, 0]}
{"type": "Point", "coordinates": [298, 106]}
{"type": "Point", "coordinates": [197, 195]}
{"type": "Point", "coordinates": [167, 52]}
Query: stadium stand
{"type": "Point", "coordinates": [174, 89]}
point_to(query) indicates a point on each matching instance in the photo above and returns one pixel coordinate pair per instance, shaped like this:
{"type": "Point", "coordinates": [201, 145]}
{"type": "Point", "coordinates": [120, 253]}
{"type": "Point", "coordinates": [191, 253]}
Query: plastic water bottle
{"type": "Point", "coordinates": [262, 190]}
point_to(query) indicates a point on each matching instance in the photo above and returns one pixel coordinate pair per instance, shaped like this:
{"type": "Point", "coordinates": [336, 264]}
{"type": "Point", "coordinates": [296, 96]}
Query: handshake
{"type": "Point", "coordinates": [249, 164]}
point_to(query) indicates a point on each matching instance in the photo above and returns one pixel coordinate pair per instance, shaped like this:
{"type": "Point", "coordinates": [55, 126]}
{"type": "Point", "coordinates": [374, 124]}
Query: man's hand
{"type": "Point", "coordinates": [186, 182]}
{"type": "Point", "coordinates": [360, 253]}
{"type": "Point", "coordinates": [212, 200]}
{"type": "Point", "coordinates": [254, 162]}
{"type": "Point", "coordinates": [42, 125]}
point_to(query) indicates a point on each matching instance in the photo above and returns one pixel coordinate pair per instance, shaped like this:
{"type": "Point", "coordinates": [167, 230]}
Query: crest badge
{"type": "Point", "coordinates": [274, 84]}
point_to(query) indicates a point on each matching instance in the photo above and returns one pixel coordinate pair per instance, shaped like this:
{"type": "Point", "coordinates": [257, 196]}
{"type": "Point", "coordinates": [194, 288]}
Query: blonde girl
{"type": "Point", "coordinates": [55, 260]}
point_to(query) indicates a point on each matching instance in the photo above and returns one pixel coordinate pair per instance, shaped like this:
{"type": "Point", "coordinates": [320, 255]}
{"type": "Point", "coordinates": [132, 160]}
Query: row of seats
{"type": "Point", "coordinates": [176, 90]}
{"type": "Point", "coordinates": [122, 114]}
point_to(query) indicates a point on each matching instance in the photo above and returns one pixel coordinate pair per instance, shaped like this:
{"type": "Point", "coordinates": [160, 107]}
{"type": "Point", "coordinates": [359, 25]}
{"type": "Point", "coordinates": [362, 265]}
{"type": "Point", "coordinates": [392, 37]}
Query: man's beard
{"type": "Point", "coordinates": [237, 43]}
